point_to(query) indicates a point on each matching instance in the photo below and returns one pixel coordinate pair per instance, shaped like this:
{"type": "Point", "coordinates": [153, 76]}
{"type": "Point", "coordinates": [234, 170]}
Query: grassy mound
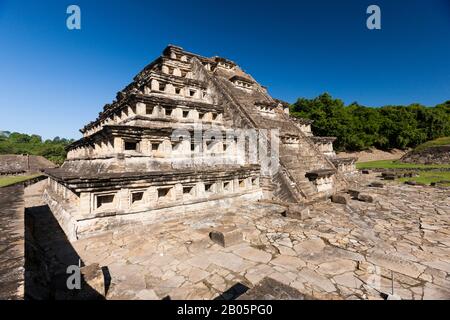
{"type": "Point", "coordinates": [9, 180]}
{"type": "Point", "coordinates": [433, 143]}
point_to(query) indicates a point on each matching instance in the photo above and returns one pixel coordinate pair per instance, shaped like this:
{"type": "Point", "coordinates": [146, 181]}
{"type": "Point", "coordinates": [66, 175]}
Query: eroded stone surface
{"type": "Point", "coordinates": [355, 251]}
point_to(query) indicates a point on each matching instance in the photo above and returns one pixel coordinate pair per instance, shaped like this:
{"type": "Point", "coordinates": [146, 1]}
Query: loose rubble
{"type": "Point", "coordinates": [360, 250]}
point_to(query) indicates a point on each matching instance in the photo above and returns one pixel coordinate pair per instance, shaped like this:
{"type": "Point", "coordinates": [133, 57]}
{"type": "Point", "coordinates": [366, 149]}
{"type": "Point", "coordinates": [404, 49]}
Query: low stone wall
{"type": "Point", "coordinates": [12, 242]}
{"type": "Point", "coordinates": [78, 229]}
{"type": "Point", "coordinates": [431, 155]}
{"type": "Point", "coordinates": [62, 215]}
{"type": "Point", "coordinates": [29, 182]}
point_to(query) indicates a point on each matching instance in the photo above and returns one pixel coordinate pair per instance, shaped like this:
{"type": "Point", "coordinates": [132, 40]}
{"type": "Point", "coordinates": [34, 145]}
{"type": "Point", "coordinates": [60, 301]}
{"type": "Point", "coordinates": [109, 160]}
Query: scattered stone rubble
{"type": "Point", "coordinates": [356, 250]}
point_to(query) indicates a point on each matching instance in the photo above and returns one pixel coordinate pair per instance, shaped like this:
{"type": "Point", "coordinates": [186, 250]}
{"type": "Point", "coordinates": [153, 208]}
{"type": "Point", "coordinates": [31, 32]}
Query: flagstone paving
{"type": "Point", "coordinates": [356, 251]}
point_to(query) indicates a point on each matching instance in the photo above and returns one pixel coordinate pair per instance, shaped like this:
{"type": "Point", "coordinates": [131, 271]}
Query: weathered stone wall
{"type": "Point", "coordinates": [431, 155]}
{"type": "Point", "coordinates": [12, 242]}
{"type": "Point", "coordinates": [95, 224]}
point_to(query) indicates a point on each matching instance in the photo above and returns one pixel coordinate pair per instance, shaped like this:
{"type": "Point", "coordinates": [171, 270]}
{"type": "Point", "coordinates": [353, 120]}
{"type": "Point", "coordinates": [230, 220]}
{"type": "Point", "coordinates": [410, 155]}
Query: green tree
{"type": "Point", "coordinates": [19, 143]}
{"type": "Point", "coordinates": [358, 127]}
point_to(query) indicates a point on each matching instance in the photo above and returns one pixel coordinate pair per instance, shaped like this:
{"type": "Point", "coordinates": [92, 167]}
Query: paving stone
{"type": "Point", "coordinates": [348, 280]}
{"type": "Point", "coordinates": [285, 250]}
{"type": "Point", "coordinates": [147, 294]}
{"type": "Point", "coordinates": [396, 264]}
{"type": "Point", "coordinates": [405, 230]}
{"type": "Point", "coordinates": [280, 277]}
{"type": "Point", "coordinates": [200, 261]}
{"type": "Point", "coordinates": [255, 255]}
{"type": "Point", "coordinates": [433, 292]}
{"type": "Point", "coordinates": [313, 278]}
{"type": "Point", "coordinates": [173, 282]}
{"type": "Point", "coordinates": [227, 260]}
{"type": "Point", "coordinates": [195, 275]}
{"type": "Point", "coordinates": [310, 246]}
{"type": "Point", "coordinates": [256, 274]}
{"type": "Point", "coordinates": [440, 265]}
{"type": "Point", "coordinates": [337, 267]}
{"type": "Point", "coordinates": [288, 262]}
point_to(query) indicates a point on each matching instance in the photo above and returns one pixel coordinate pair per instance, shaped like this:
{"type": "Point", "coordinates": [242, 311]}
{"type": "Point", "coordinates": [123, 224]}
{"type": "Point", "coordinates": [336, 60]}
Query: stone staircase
{"type": "Point", "coordinates": [289, 184]}
{"type": "Point", "coordinates": [300, 161]}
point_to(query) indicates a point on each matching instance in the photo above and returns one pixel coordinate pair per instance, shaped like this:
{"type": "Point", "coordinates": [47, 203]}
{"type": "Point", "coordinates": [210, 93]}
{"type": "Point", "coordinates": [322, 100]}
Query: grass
{"type": "Point", "coordinates": [393, 164]}
{"type": "Point", "coordinates": [9, 180]}
{"type": "Point", "coordinates": [428, 177]}
{"type": "Point", "coordinates": [432, 175]}
{"type": "Point", "coordinates": [433, 143]}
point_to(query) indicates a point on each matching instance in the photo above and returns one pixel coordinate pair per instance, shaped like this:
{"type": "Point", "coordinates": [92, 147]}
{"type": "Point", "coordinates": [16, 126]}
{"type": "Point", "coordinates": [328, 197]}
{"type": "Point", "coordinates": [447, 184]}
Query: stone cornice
{"type": "Point", "coordinates": [165, 102]}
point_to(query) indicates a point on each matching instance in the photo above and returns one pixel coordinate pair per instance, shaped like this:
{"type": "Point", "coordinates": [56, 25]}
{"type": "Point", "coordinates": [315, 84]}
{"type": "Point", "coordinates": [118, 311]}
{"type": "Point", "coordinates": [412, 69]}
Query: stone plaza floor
{"type": "Point", "coordinates": [399, 243]}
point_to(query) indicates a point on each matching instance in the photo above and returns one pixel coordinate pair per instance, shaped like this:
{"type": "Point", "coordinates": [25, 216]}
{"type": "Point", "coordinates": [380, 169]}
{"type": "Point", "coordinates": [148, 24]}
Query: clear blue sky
{"type": "Point", "coordinates": [54, 80]}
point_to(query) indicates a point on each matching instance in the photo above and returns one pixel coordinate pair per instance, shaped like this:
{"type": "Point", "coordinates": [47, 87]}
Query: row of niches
{"type": "Point", "coordinates": [156, 111]}
{"type": "Point", "coordinates": [225, 65]}
{"type": "Point", "coordinates": [291, 140]}
{"type": "Point", "coordinates": [184, 58]}
{"type": "Point", "coordinates": [181, 57]}
{"type": "Point", "coordinates": [169, 88]}
{"type": "Point", "coordinates": [181, 148]}
{"type": "Point", "coordinates": [243, 84]}
{"type": "Point", "coordinates": [266, 111]}
{"type": "Point", "coordinates": [141, 198]}
{"type": "Point", "coordinates": [177, 72]}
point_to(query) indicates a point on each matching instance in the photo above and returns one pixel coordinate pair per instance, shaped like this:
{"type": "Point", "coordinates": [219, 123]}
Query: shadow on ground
{"type": "Point", "coordinates": [48, 253]}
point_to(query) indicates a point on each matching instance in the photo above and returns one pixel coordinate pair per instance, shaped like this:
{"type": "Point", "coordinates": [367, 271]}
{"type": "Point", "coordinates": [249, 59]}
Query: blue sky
{"type": "Point", "coordinates": [54, 80]}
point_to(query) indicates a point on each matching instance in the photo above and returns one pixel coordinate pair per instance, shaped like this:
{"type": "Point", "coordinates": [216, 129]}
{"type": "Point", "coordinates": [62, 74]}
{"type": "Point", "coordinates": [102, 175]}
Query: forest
{"type": "Point", "coordinates": [20, 143]}
{"type": "Point", "coordinates": [358, 127]}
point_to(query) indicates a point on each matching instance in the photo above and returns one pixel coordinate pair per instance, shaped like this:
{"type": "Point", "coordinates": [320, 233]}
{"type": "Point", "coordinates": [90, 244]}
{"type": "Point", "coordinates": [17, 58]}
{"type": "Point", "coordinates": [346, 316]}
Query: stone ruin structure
{"type": "Point", "coordinates": [429, 155]}
{"type": "Point", "coordinates": [188, 133]}
{"type": "Point", "coordinates": [13, 164]}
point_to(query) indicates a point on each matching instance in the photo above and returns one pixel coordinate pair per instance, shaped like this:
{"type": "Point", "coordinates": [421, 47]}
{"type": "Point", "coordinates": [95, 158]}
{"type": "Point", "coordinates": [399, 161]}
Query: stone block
{"type": "Point", "coordinates": [410, 174]}
{"type": "Point", "coordinates": [93, 281]}
{"type": "Point", "coordinates": [376, 184]}
{"type": "Point", "coordinates": [226, 236]}
{"type": "Point", "coordinates": [388, 175]}
{"type": "Point", "coordinates": [365, 197]}
{"type": "Point", "coordinates": [353, 193]}
{"type": "Point", "coordinates": [297, 212]}
{"type": "Point", "coordinates": [341, 198]}
{"type": "Point", "coordinates": [441, 183]}
{"type": "Point", "coordinates": [415, 183]}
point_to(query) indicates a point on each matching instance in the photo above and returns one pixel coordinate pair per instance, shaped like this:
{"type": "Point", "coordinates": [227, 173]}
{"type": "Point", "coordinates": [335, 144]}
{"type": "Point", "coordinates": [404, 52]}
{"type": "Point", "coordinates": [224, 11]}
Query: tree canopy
{"type": "Point", "coordinates": [358, 127]}
{"type": "Point", "coordinates": [20, 143]}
